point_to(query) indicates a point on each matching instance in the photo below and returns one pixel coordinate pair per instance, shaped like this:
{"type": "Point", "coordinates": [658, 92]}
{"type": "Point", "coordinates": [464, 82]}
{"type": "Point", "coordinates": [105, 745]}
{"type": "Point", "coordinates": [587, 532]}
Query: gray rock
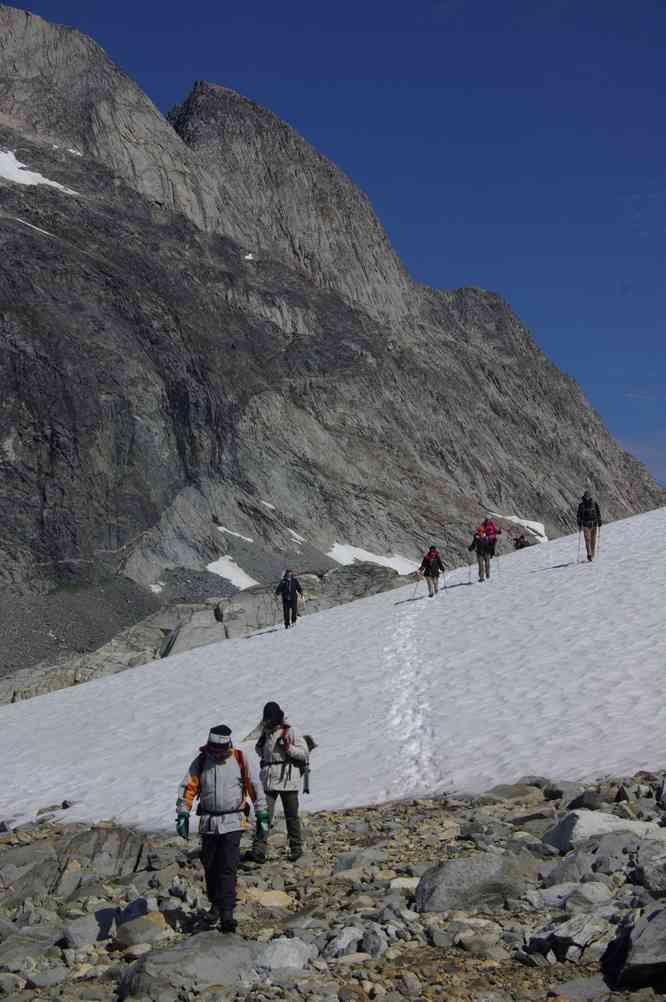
{"type": "Point", "coordinates": [375, 940]}
{"type": "Point", "coordinates": [645, 962]}
{"type": "Point", "coordinates": [18, 952]}
{"type": "Point", "coordinates": [150, 928]}
{"type": "Point", "coordinates": [588, 896]}
{"type": "Point", "coordinates": [650, 870]}
{"type": "Point", "coordinates": [562, 790]}
{"type": "Point", "coordinates": [345, 942]}
{"type": "Point", "coordinates": [358, 858]}
{"type": "Point", "coordinates": [588, 800]}
{"type": "Point", "coordinates": [581, 989]}
{"type": "Point", "coordinates": [514, 792]}
{"type": "Point", "coordinates": [108, 852]}
{"type": "Point", "coordinates": [90, 928]}
{"type": "Point", "coordinates": [205, 959]}
{"type": "Point", "coordinates": [284, 954]}
{"type": "Point", "coordinates": [485, 880]}
{"type": "Point", "coordinates": [48, 979]}
{"type": "Point", "coordinates": [555, 895]}
{"type": "Point", "coordinates": [578, 826]}
{"type": "Point", "coordinates": [572, 940]}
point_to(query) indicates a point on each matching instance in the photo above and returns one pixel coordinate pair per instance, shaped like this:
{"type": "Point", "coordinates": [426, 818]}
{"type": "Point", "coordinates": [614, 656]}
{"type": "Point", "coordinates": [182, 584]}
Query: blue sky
{"type": "Point", "coordinates": [517, 146]}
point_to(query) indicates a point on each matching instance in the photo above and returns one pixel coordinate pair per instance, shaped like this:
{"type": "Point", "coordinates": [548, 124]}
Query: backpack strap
{"type": "Point", "coordinates": [248, 788]}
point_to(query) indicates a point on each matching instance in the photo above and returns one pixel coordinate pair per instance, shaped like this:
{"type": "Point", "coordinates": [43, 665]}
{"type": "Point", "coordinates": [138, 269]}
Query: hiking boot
{"type": "Point", "coordinates": [211, 917]}
{"type": "Point", "coordinates": [252, 856]}
{"type": "Point", "coordinates": [228, 923]}
{"type": "Point", "coordinates": [295, 854]}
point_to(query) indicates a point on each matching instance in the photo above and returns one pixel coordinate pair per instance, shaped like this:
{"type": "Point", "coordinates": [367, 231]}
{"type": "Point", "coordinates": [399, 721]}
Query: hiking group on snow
{"type": "Point", "coordinates": [228, 786]}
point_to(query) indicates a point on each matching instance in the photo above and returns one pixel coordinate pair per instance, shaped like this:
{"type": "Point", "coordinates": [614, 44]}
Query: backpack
{"type": "Point", "coordinates": [248, 789]}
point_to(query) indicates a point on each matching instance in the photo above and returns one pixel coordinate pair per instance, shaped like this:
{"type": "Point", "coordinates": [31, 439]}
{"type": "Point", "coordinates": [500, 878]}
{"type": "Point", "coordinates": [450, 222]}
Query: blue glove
{"type": "Point", "coordinates": [183, 824]}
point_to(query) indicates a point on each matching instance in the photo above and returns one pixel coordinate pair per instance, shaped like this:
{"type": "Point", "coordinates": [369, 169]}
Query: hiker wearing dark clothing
{"type": "Point", "coordinates": [290, 589]}
{"type": "Point", "coordinates": [284, 755]}
{"type": "Point", "coordinates": [589, 520]}
{"type": "Point", "coordinates": [431, 567]}
{"type": "Point", "coordinates": [483, 546]}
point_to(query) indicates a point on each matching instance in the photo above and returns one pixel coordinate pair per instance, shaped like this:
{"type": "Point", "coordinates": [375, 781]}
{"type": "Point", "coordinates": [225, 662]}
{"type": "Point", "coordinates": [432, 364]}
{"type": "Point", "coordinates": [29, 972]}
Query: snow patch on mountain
{"type": "Point", "coordinates": [342, 553]}
{"type": "Point", "coordinates": [227, 568]}
{"type": "Point", "coordinates": [238, 535]}
{"type": "Point", "coordinates": [538, 528]}
{"type": "Point", "coordinates": [12, 169]}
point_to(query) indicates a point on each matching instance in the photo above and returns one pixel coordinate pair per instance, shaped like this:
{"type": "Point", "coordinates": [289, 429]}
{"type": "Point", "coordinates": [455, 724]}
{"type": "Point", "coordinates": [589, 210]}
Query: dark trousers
{"type": "Point", "coordinates": [290, 807]}
{"type": "Point", "coordinates": [290, 608]}
{"type": "Point", "coordinates": [220, 855]}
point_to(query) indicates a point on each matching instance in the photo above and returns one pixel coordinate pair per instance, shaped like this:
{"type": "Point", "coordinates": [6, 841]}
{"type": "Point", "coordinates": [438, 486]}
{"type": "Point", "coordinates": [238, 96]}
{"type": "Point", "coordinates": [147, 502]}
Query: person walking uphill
{"type": "Point", "coordinates": [283, 755]}
{"type": "Point", "coordinates": [589, 520]}
{"type": "Point", "coordinates": [483, 546]}
{"type": "Point", "coordinates": [431, 567]}
{"type": "Point", "coordinates": [290, 589]}
{"type": "Point", "coordinates": [491, 533]}
{"type": "Point", "coordinates": [221, 779]}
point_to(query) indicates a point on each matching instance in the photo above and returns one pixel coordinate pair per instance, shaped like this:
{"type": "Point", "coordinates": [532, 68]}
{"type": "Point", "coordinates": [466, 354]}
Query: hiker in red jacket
{"type": "Point", "coordinates": [431, 567]}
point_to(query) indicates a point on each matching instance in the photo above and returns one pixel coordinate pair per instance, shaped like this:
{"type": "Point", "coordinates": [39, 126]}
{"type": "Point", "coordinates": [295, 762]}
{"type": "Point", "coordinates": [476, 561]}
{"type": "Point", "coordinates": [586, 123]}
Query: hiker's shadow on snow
{"type": "Point", "coordinates": [554, 567]}
{"type": "Point", "coordinates": [461, 584]}
{"type": "Point", "coordinates": [263, 633]}
{"type": "Point", "coordinates": [404, 601]}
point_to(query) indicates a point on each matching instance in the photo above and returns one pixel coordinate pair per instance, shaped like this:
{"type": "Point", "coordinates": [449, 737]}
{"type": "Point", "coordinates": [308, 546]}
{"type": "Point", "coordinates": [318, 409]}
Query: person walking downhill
{"type": "Point", "coordinates": [290, 589]}
{"type": "Point", "coordinates": [431, 567]}
{"type": "Point", "coordinates": [483, 546]}
{"type": "Point", "coordinates": [283, 754]}
{"type": "Point", "coordinates": [222, 780]}
{"type": "Point", "coordinates": [589, 520]}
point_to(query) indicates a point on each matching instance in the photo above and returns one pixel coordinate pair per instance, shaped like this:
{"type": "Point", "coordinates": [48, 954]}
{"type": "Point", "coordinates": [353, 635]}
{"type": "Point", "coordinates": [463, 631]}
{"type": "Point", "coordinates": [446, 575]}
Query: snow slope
{"type": "Point", "coordinates": [551, 667]}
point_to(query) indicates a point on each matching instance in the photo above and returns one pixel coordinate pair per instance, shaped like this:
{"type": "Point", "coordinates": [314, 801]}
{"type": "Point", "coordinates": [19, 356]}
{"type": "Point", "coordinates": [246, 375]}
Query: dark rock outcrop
{"type": "Point", "coordinates": [157, 379]}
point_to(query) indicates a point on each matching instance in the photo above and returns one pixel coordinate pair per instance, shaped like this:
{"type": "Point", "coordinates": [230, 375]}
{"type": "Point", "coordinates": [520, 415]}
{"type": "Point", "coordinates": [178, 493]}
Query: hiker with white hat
{"type": "Point", "coordinates": [222, 780]}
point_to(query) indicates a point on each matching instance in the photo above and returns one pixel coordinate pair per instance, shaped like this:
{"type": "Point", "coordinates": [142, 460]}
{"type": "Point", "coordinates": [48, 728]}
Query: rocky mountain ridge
{"type": "Point", "coordinates": [214, 331]}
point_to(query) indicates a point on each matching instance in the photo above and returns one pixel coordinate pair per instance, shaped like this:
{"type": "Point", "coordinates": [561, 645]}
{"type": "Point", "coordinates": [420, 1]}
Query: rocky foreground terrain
{"type": "Point", "coordinates": [535, 890]}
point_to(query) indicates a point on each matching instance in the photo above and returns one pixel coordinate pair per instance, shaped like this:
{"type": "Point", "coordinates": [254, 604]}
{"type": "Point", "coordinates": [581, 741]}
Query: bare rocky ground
{"type": "Point", "coordinates": [536, 890]}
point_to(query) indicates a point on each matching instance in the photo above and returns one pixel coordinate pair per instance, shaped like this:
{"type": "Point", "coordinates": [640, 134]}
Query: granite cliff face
{"type": "Point", "coordinates": [215, 320]}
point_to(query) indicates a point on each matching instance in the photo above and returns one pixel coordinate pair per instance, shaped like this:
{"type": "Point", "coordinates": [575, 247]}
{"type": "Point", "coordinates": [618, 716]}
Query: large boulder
{"type": "Point", "coordinates": [285, 954]}
{"type": "Point", "coordinates": [482, 881]}
{"type": "Point", "coordinates": [645, 962]}
{"type": "Point", "coordinates": [107, 852]}
{"type": "Point", "coordinates": [577, 826]}
{"type": "Point", "coordinates": [205, 959]}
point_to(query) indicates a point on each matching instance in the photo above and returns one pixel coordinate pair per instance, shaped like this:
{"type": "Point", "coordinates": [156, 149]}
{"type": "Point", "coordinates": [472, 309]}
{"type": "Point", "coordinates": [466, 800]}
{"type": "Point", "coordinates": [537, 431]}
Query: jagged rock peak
{"type": "Point", "coordinates": [60, 86]}
{"type": "Point", "coordinates": [297, 204]}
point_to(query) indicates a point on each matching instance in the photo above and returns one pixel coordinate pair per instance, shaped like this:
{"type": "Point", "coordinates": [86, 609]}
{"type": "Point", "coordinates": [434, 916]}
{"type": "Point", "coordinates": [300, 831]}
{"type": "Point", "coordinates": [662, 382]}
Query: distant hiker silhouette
{"type": "Point", "coordinates": [289, 588]}
{"type": "Point", "coordinates": [483, 545]}
{"type": "Point", "coordinates": [589, 520]}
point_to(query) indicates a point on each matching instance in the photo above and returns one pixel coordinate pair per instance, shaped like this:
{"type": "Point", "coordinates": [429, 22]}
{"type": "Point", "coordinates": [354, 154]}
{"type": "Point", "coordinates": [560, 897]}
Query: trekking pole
{"type": "Point", "coordinates": [418, 582]}
{"type": "Point", "coordinates": [598, 553]}
{"type": "Point", "coordinates": [578, 553]}
{"type": "Point", "coordinates": [469, 576]}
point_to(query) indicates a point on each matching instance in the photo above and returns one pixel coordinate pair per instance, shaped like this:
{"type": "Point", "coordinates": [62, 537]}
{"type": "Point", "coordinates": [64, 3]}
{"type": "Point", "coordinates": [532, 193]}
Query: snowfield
{"type": "Point", "coordinates": [12, 169]}
{"type": "Point", "coordinates": [552, 667]}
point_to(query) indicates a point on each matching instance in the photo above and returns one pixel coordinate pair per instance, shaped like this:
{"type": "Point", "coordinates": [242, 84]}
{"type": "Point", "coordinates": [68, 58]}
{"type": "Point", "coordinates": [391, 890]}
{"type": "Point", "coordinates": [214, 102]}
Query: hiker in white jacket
{"type": "Point", "coordinates": [283, 755]}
